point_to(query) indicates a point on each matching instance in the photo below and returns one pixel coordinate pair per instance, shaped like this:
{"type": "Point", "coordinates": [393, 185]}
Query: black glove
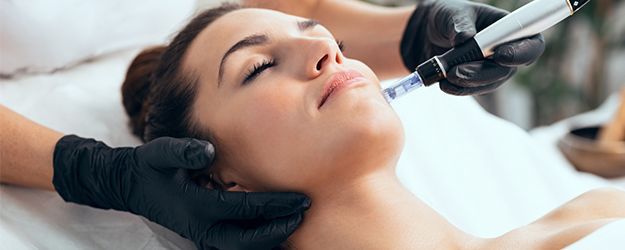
{"type": "Point", "coordinates": [153, 181]}
{"type": "Point", "coordinates": [437, 25]}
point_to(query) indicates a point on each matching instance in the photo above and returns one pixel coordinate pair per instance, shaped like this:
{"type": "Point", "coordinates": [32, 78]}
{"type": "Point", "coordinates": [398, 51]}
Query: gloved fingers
{"type": "Point", "coordinates": [467, 21]}
{"type": "Point", "coordinates": [252, 205]}
{"type": "Point", "coordinates": [272, 233]}
{"type": "Point", "coordinates": [226, 205]}
{"type": "Point", "coordinates": [266, 236]}
{"type": "Point", "coordinates": [453, 89]}
{"type": "Point", "coordinates": [453, 27]}
{"type": "Point", "coordinates": [487, 15]}
{"type": "Point", "coordinates": [173, 153]}
{"type": "Point", "coordinates": [521, 52]}
{"type": "Point", "coordinates": [479, 74]}
{"type": "Point", "coordinates": [463, 28]}
{"type": "Point", "coordinates": [476, 78]}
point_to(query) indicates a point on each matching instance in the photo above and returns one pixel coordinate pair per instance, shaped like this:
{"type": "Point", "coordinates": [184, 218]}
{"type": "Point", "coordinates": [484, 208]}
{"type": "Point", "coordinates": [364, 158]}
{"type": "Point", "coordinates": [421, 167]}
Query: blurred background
{"type": "Point", "coordinates": [584, 63]}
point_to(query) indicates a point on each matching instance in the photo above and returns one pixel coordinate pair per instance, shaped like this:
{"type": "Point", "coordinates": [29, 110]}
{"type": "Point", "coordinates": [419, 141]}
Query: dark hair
{"type": "Point", "coordinates": [158, 97]}
{"type": "Point", "coordinates": [156, 94]}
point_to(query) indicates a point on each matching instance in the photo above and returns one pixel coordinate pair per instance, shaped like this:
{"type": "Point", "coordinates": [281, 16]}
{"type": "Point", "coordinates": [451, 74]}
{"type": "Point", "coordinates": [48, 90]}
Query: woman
{"type": "Point", "coordinates": [288, 111]}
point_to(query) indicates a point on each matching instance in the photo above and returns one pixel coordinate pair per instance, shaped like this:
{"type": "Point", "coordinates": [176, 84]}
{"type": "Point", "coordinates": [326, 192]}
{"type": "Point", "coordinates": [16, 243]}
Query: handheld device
{"type": "Point", "coordinates": [529, 20]}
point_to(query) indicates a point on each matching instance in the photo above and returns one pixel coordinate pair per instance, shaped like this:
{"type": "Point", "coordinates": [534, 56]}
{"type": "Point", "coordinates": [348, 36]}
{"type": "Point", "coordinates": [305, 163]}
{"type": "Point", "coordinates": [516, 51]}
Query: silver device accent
{"type": "Point", "coordinates": [526, 21]}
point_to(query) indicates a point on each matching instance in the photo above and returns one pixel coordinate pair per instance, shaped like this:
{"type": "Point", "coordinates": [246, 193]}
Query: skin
{"type": "Point", "coordinates": [26, 147]}
{"type": "Point", "coordinates": [25, 151]}
{"type": "Point", "coordinates": [280, 107]}
{"type": "Point", "coordinates": [376, 43]}
{"type": "Point", "coordinates": [271, 136]}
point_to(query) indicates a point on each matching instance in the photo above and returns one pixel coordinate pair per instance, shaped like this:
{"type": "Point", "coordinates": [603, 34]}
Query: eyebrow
{"type": "Point", "coordinates": [307, 24]}
{"type": "Point", "coordinates": [258, 40]}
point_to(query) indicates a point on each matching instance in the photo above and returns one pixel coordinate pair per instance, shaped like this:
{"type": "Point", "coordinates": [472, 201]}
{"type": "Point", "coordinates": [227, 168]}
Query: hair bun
{"type": "Point", "coordinates": [137, 85]}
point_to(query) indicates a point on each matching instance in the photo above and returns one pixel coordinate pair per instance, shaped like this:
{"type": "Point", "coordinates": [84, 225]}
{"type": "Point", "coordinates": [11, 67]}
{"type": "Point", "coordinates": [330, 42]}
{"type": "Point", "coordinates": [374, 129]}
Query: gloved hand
{"type": "Point", "coordinates": [152, 181]}
{"type": "Point", "coordinates": [437, 25]}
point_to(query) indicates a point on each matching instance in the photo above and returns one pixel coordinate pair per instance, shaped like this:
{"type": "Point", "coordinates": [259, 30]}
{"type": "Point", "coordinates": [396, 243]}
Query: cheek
{"type": "Point", "coordinates": [263, 131]}
{"type": "Point", "coordinates": [267, 109]}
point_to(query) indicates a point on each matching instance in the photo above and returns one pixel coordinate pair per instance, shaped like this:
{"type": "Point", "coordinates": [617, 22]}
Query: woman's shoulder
{"type": "Point", "coordinates": [595, 204]}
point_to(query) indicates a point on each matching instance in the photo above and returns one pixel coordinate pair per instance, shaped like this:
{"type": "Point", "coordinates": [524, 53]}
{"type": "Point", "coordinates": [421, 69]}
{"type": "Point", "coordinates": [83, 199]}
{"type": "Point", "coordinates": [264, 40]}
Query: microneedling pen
{"type": "Point", "coordinates": [529, 20]}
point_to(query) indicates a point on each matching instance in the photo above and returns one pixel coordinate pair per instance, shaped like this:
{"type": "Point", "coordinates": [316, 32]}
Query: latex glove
{"type": "Point", "coordinates": [438, 25]}
{"type": "Point", "coordinates": [152, 181]}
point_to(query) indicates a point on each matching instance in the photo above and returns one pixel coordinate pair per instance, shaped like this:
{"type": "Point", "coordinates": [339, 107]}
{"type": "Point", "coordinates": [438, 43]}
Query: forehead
{"type": "Point", "coordinates": [207, 49]}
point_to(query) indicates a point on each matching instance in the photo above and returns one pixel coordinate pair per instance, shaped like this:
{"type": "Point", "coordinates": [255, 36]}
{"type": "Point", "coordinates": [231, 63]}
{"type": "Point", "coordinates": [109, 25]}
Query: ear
{"type": "Point", "coordinates": [233, 187]}
{"type": "Point", "coordinates": [229, 183]}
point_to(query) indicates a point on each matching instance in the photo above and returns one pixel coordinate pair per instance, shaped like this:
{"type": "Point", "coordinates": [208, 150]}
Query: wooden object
{"type": "Point", "coordinates": [615, 129]}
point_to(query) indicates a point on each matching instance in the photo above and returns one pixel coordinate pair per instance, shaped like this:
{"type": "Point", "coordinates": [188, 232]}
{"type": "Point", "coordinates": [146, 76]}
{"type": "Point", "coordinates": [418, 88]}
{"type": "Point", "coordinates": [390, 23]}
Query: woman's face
{"type": "Point", "coordinates": [288, 110]}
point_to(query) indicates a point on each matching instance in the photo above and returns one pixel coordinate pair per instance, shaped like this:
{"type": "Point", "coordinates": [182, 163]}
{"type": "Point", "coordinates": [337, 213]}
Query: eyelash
{"type": "Point", "coordinates": [266, 64]}
{"type": "Point", "coordinates": [259, 68]}
{"type": "Point", "coordinates": [341, 45]}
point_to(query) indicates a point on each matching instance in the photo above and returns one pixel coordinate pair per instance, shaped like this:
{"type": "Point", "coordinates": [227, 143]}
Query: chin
{"type": "Point", "coordinates": [373, 131]}
{"type": "Point", "coordinates": [370, 116]}
{"type": "Point", "coordinates": [382, 131]}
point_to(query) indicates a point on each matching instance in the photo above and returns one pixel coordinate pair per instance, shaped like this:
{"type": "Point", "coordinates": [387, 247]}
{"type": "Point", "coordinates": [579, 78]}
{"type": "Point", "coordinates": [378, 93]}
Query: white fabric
{"type": "Point", "coordinates": [86, 101]}
{"type": "Point", "coordinates": [609, 237]}
{"type": "Point", "coordinates": [484, 174]}
{"type": "Point", "coordinates": [42, 36]}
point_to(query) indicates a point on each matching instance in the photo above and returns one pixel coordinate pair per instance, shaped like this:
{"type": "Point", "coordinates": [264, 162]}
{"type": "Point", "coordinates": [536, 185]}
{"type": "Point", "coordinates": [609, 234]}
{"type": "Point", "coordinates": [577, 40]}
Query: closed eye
{"type": "Point", "coordinates": [341, 45]}
{"type": "Point", "coordinates": [258, 69]}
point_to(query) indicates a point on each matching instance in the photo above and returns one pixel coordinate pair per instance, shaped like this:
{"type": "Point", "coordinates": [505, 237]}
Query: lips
{"type": "Point", "coordinates": [338, 81]}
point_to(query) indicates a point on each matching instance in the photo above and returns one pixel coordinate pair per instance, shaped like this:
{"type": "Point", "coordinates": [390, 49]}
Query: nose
{"type": "Point", "coordinates": [322, 53]}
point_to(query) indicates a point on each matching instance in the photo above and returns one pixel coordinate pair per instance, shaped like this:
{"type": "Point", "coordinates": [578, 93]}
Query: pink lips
{"type": "Point", "coordinates": [338, 81]}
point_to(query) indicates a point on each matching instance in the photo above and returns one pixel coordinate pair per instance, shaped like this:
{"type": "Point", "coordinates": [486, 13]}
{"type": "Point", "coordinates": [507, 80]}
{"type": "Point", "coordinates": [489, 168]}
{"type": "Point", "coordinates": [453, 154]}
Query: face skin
{"type": "Point", "coordinates": [270, 133]}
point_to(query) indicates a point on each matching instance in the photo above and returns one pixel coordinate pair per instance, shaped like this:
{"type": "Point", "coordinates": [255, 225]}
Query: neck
{"type": "Point", "coordinates": [373, 212]}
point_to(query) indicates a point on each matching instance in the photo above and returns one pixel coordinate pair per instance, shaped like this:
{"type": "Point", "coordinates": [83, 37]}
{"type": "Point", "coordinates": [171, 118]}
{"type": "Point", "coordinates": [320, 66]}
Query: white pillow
{"type": "Point", "coordinates": [44, 36]}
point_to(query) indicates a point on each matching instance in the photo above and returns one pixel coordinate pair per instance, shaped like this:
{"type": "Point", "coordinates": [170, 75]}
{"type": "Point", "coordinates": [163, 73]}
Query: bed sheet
{"type": "Point", "coordinates": [84, 100]}
{"type": "Point", "coordinates": [609, 237]}
{"type": "Point", "coordinates": [485, 175]}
